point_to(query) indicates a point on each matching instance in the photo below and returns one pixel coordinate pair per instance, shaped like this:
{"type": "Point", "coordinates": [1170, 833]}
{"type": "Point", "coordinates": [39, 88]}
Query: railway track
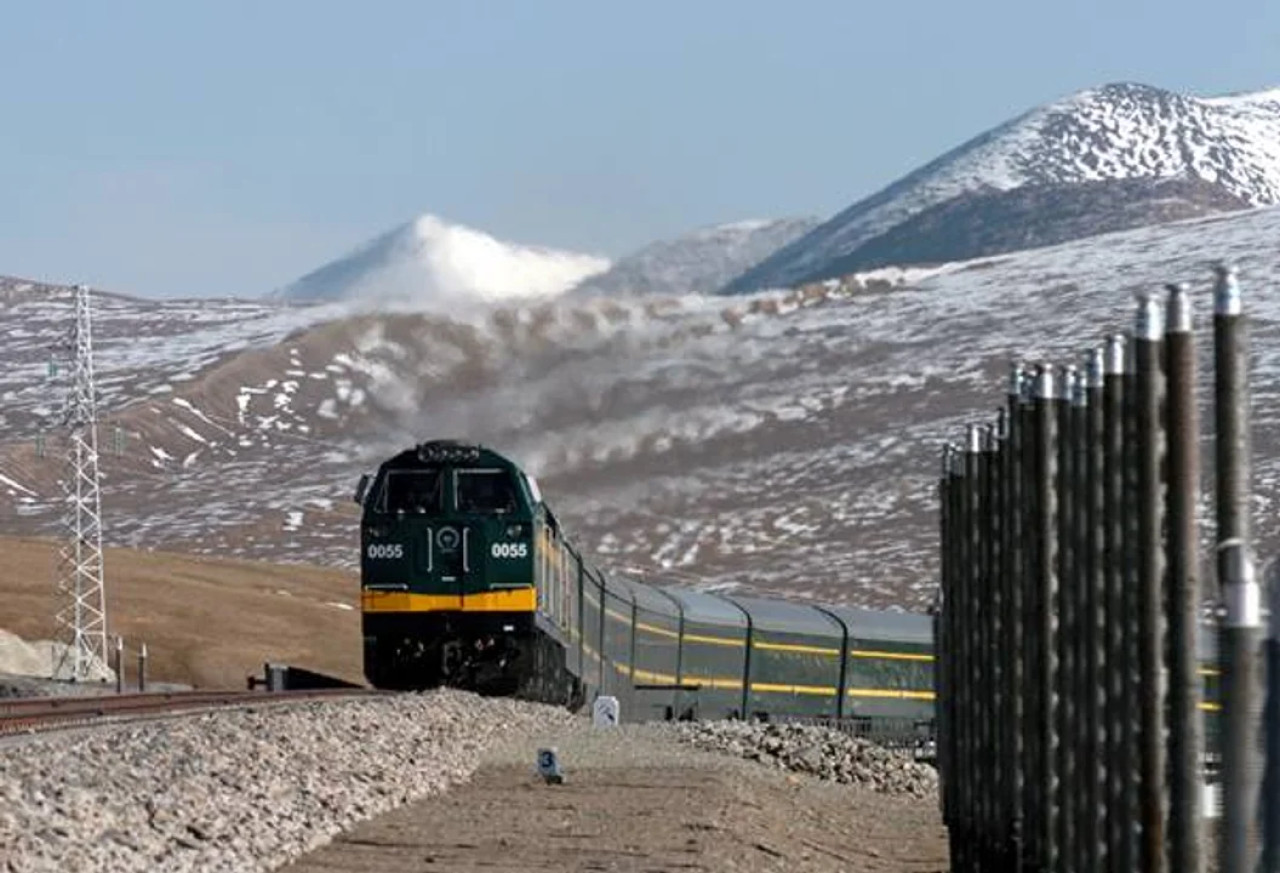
{"type": "Point", "coordinates": [25, 715]}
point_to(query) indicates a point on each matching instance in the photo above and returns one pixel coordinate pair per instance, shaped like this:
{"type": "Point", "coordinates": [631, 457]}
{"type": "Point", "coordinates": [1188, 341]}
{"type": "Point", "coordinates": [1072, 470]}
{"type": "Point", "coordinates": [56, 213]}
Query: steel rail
{"type": "Point", "coordinates": [39, 714]}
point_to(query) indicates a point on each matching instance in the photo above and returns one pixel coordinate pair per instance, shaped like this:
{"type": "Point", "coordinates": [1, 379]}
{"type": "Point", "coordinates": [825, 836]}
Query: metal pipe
{"type": "Point", "coordinates": [971, 582]}
{"type": "Point", "coordinates": [956, 712]}
{"type": "Point", "coordinates": [1031, 689]}
{"type": "Point", "coordinates": [1271, 774]}
{"type": "Point", "coordinates": [1015, 556]}
{"type": "Point", "coordinates": [1186, 733]}
{"type": "Point", "coordinates": [1066, 795]}
{"type": "Point", "coordinates": [119, 665]}
{"type": "Point", "coordinates": [1131, 773]}
{"type": "Point", "coordinates": [1243, 620]}
{"type": "Point", "coordinates": [941, 640]}
{"type": "Point", "coordinates": [1081, 688]}
{"type": "Point", "coordinates": [1046, 579]}
{"type": "Point", "coordinates": [1148, 352]}
{"type": "Point", "coordinates": [989, 663]}
{"type": "Point", "coordinates": [1240, 591]}
{"type": "Point", "coordinates": [980, 665]}
{"type": "Point", "coordinates": [1092, 836]}
{"type": "Point", "coordinates": [1113, 546]}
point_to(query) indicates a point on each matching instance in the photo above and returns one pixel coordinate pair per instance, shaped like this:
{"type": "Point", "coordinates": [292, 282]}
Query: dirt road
{"type": "Point", "coordinates": [631, 803]}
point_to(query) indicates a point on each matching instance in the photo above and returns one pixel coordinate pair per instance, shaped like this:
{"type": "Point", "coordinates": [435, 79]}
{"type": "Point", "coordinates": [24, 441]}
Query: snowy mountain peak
{"type": "Point", "coordinates": [698, 262]}
{"type": "Point", "coordinates": [1117, 131]}
{"type": "Point", "coordinates": [429, 262]}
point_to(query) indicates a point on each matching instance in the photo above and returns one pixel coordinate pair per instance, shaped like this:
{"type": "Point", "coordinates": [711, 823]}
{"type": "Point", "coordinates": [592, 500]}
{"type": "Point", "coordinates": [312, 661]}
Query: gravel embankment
{"type": "Point", "coordinates": [822, 752]}
{"type": "Point", "coordinates": [250, 789]}
{"type": "Point", "coordinates": [238, 791]}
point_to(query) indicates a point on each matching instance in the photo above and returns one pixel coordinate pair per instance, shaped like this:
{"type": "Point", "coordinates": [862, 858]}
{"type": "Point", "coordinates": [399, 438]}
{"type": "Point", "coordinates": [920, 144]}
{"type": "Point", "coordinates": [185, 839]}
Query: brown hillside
{"type": "Point", "coordinates": [208, 622]}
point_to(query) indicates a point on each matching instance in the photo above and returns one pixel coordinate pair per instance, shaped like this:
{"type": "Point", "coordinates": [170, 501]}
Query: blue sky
{"type": "Point", "coordinates": [165, 148]}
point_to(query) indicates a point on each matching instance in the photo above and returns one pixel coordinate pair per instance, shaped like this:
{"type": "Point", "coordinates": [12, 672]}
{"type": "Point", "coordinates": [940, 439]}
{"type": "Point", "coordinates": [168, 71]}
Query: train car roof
{"type": "Point", "coordinates": [619, 587]}
{"type": "Point", "coordinates": [872, 624]}
{"type": "Point", "coordinates": [708, 608]}
{"type": "Point", "coordinates": [652, 599]}
{"type": "Point", "coordinates": [784, 616]}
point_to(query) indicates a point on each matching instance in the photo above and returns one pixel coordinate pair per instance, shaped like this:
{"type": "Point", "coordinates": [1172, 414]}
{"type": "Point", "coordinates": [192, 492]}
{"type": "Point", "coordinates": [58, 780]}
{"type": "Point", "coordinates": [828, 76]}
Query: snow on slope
{"type": "Point", "coordinates": [782, 443]}
{"type": "Point", "coordinates": [142, 347]}
{"type": "Point", "coordinates": [1116, 131]}
{"type": "Point", "coordinates": [429, 263]}
{"type": "Point", "coordinates": [699, 262]}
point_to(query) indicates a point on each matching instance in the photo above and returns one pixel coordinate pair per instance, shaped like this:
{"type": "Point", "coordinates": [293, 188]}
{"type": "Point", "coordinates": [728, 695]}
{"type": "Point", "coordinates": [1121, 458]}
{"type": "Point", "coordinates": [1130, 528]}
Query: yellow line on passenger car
{"type": "Point", "coordinates": [714, 641]}
{"type": "Point", "coordinates": [777, 688]}
{"type": "Point", "coordinates": [891, 656]}
{"type": "Point", "coordinates": [796, 647]}
{"type": "Point", "coordinates": [891, 693]}
{"type": "Point", "coordinates": [657, 631]}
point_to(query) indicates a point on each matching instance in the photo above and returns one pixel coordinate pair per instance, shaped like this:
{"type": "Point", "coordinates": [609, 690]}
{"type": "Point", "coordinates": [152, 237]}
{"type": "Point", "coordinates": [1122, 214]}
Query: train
{"type": "Point", "coordinates": [468, 579]}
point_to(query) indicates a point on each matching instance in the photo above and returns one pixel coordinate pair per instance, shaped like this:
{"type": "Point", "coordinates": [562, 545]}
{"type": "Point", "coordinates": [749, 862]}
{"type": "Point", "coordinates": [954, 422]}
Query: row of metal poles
{"type": "Point", "coordinates": [1072, 712]}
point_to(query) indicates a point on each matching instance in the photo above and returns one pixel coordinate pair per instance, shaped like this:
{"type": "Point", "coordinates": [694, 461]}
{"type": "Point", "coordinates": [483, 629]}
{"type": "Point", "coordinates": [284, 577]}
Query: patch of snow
{"type": "Point", "coordinates": [5, 480]}
{"type": "Point", "coordinates": [190, 434]}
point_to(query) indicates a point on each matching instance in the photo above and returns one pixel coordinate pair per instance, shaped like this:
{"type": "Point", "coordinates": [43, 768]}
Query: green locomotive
{"type": "Point", "coordinates": [468, 580]}
{"type": "Point", "coordinates": [448, 542]}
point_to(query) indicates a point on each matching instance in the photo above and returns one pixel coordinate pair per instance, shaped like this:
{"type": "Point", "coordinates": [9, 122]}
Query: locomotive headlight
{"type": "Point", "coordinates": [514, 530]}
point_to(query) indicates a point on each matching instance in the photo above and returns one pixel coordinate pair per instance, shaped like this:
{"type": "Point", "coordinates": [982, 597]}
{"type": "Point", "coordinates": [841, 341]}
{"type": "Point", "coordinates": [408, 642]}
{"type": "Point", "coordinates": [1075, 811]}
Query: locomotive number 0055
{"type": "Point", "coordinates": [385, 550]}
{"type": "Point", "coordinates": [509, 550]}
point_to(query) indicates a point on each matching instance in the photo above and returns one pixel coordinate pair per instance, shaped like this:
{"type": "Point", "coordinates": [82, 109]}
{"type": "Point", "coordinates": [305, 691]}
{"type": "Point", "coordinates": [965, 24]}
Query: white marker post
{"type": "Point", "coordinates": [605, 711]}
{"type": "Point", "coordinates": [549, 767]}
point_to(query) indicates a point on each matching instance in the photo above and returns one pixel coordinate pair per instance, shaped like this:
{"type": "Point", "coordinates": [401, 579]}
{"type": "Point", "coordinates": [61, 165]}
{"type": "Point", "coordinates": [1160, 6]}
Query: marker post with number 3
{"type": "Point", "coordinates": [549, 767]}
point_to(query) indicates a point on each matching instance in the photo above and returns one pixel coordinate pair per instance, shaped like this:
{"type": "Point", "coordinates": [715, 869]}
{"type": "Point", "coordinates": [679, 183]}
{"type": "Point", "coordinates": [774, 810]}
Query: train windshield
{"type": "Point", "coordinates": [485, 491]}
{"type": "Point", "coordinates": [414, 492]}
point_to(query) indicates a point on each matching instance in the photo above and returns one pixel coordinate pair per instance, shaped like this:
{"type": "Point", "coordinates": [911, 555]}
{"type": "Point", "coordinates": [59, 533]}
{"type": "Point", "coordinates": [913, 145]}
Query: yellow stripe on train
{"type": "Point", "coordinates": [510, 600]}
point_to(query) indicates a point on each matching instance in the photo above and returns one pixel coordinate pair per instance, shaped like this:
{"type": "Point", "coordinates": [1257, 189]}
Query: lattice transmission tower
{"type": "Point", "coordinates": [81, 609]}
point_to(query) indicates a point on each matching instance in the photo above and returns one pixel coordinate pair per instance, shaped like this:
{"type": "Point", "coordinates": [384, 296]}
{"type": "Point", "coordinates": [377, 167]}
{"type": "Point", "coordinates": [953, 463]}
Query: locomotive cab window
{"type": "Point", "coordinates": [485, 491]}
{"type": "Point", "coordinates": [413, 492]}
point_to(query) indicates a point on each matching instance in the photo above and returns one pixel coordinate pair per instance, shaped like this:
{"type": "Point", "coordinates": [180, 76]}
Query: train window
{"type": "Point", "coordinates": [485, 491]}
{"type": "Point", "coordinates": [418, 492]}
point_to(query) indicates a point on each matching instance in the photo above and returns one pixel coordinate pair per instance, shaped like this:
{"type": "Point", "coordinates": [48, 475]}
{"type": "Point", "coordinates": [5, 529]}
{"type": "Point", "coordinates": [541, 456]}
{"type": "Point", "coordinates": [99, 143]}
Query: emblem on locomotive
{"type": "Point", "coordinates": [447, 539]}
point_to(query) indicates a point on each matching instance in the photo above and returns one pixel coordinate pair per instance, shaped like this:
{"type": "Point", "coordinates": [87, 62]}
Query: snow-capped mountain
{"type": "Point", "coordinates": [429, 263]}
{"type": "Point", "coordinates": [1118, 131]}
{"type": "Point", "coordinates": [778, 442]}
{"type": "Point", "coordinates": [699, 262]}
{"type": "Point", "coordinates": [991, 222]}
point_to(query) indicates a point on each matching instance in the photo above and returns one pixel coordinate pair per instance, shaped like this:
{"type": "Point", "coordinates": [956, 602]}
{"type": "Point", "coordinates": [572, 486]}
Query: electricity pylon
{"type": "Point", "coordinates": [81, 608]}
